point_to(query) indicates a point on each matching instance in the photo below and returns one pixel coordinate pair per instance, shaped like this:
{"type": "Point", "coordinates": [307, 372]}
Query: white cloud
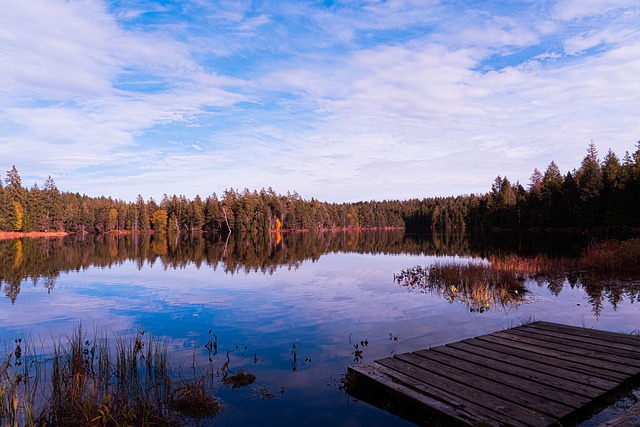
{"type": "Point", "coordinates": [251, 24]}
{"type": "Point", "coordinates": [495, 32]}
{"type": "Point", "coordinates": [61, 62]}
{"type": "Point", "coordinates": [587, 40]}
{"type": "Point", "coordinates": [421, 111]}
{"type": "Point", "coordinates": [389, 100]}
{"type": "Point", "coordinates": [576, 9]}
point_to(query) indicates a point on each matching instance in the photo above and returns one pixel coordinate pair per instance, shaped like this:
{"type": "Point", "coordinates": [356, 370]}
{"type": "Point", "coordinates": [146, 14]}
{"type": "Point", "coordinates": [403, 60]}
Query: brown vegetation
{"type": "Point", "coordinates": [241, 378]}
{"type": "Point", "coordinates": [612, 256]}
{"type": "Point", "coordinates": [88, 382]}
{"type": "Point", "coordinates": [479, 286]}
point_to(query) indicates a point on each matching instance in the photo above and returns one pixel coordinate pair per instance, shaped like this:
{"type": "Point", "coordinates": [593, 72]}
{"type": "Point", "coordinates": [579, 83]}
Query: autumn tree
{"type": "Point", "coordinates": [112, 220]}
{"type": "Point", "coordinates": [173, 227]}
{"type": "Point", "coordinates": [15, 200]}
{"type": "Point", "coordinates": [160, 219]}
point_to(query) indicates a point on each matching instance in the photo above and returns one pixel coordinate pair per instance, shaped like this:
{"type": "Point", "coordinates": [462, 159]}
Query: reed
{"type": "Point", "coordinates": [612, 257]}
{"type": "Point", "coordinates": [92, 382]}
{"type": "Point", "coordinates": [539, 265]}
{"type": "Point", "coordinates": [479, 286]}
{"type": "Point", "coordinates": [241, 378]}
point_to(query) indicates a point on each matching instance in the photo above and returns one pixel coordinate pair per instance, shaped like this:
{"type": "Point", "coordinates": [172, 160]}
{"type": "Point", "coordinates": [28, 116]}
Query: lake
{"type": "Point", "coordinates": [294, 309]}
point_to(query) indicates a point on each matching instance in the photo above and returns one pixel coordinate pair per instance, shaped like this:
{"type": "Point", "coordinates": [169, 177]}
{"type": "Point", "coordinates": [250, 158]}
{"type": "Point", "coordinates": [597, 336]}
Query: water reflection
{"type": "Point", "coordinates": [476, 285]}
{"type": "Point", "coordinates": [292, 309]}
{"type": "Point", "coordinates": [41, 261]}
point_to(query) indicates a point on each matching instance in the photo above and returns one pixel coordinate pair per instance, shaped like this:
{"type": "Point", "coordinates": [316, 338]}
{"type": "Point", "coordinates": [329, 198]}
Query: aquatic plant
{"type": "Point", "coordinates": [241, 378]}
{"type": "Point", "coordinates": [612, 257]}
{"type": "Point", "coordinates": [478, 285]}
{"type": "Point", "coordinates": [265, 392]}
{"type": "Point", "coordinates": [194, 399]}
{"type": "Point", "coordinates": [92, 382]}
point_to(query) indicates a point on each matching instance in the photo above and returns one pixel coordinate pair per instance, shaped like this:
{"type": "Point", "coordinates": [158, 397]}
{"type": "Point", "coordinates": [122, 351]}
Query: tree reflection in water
{"type": "Point", "coordinates": [513, 258]}
{"type": "Point", "coordinates": [478, 286]}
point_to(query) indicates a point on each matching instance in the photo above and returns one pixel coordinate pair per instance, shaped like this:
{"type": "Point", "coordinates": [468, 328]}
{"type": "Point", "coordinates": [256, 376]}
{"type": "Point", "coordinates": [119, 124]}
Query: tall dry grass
{"type": "Point", "coordinates": [87, 382]}
{"type": "Point", "coordinates": [499, 280]}
{"type": "Point", "coordinates": [479, 286]}
{"type": "Point", "coordinates": [612, 257]}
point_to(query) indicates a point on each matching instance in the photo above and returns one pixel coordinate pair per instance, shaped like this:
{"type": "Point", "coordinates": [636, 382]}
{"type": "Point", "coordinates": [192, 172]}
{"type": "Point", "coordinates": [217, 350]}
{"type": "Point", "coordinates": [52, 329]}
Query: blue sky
{"type": "Point", "coordinates": [337, 100]}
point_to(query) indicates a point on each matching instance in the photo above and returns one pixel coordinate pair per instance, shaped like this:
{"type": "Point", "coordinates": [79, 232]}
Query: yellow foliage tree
{"type": "Point", "coordinates": [19, 256]}
{"type": "Point", "coordinates": [19, 216]}
{"type": "Point", "coordinates": [112, 219]}
{"type": "Point", "coordinates": [160, 219]}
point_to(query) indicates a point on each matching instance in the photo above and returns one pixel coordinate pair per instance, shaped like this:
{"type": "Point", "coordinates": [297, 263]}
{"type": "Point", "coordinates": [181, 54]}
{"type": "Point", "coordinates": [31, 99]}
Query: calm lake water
{"type": "Point", "coordinates": [289, 308]}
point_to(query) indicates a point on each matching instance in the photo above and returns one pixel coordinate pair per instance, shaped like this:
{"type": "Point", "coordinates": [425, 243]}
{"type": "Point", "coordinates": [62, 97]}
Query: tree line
{"type": "Point", "coordinates": [600, 192]}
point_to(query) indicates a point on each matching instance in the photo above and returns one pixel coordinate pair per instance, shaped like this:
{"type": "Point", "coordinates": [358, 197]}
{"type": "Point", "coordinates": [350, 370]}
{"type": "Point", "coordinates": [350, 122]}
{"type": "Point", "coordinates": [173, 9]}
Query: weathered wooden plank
{"type": "Point", "coordinates": [571, 369]}
{"type": "Point", "coordinates": [605, 336]}
{"type": "Point", "coordinates": [535, 375]}
{"type": "Point", "coordinates": [619, 348]}
{"type": "Point", "coordinates": [400, 386]}
{"type": "Point", "coordinates": [543, 385]}
{"type": "Point", "coordinates": [497, 407]}
{"type": "Point", "coordinates": [585, 364]}
{"type": "Point", "coordinates": [593, 357]}
{"type": "Point", "coordinates": [516, 395]}
{"type": "Point", "coordinates": [515, 361]}
{"type": "Point", "coordinates": [425, 393]}
{"type": "Point", "coordinates": [630, 352]}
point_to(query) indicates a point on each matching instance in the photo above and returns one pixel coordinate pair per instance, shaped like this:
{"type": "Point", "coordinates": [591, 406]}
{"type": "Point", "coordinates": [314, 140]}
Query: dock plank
{"type": "Point", "coordinates": [584, 348]}
{"type": "Point", "coordinates": [629, 352]}
{"type": "Point", "coordinates": [403, 385]}
{"type": "Point", "coordinates": [464, 393]}
{"type": "Point", "coordinates": [542, 363]}
{"type": "Point", "coordinates": [604, 336]}
{"type": "Point", "coordinates": [534, 370]}
{"type": "Point", "coordinates": [594, 366]}
{"type": "Point", "coordinates": [535, 375]}
{"type": "Point", "coordinates": [461, 410]}
{"type": "Point", "coordinates": [533, 382]}
{"type": "Point", "coordinates": [493, 388]}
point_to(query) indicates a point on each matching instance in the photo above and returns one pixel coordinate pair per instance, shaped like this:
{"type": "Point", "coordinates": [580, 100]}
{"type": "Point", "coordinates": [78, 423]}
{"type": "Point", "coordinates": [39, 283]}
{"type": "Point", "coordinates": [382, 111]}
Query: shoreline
{"type": "Point", "coordinates": [337, 229]}
{"type": "Point", "coordinates": [7, 235]}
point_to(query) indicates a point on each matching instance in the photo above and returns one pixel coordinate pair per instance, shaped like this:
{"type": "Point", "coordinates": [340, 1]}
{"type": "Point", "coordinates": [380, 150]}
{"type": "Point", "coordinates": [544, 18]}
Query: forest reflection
{"type": "Point", "coordinates": [41, 261]}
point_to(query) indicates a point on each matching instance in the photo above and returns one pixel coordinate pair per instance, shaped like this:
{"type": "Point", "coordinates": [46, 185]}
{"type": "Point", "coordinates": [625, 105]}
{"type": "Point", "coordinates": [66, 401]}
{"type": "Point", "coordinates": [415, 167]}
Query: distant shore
{"type": "Point", "coordinates": [7, 235]}
{"type": "Point", "coordinates": [4, 235]}
{"type": "Point", "coordinates": [335, 229]}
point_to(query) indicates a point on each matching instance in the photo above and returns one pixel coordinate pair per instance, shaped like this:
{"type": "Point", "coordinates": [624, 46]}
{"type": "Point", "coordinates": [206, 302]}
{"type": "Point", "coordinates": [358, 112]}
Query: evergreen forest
{"type": "Point", "coordinates": [599, 193]}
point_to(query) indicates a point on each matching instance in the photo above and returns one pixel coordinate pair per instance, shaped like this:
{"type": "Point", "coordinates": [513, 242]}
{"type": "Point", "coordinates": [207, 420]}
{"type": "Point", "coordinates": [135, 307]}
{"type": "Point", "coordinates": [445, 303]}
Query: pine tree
{"type": "Point", "coordinates": [589, 179]}
{"type": "Point", "coordinates": [589, 176]}
{"type": "Point", "coordinates": [143, 215]}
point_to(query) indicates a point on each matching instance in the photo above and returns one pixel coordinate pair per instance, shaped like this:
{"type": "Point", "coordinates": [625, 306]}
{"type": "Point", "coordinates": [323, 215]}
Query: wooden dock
{"type": "Point", "coordinates": [533, 375]}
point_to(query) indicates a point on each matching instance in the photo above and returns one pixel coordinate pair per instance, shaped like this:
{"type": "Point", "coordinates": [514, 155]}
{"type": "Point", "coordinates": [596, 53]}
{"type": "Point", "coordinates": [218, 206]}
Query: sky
{"type": "Point", "coordinates": [339, 100]}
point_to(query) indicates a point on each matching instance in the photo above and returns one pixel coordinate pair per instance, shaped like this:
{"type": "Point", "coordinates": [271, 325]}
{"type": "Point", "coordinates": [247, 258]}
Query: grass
{"type": "Point", "coordinates": [612, 257]}
{"type": "Point", "coordinates": [479, 286]}
{"type": "Point", "coordinates": [499, 281]}
{"type": "Point", "coordinates": [93, 383]}
{"type": "Point", "coordinates": [240, 379]}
